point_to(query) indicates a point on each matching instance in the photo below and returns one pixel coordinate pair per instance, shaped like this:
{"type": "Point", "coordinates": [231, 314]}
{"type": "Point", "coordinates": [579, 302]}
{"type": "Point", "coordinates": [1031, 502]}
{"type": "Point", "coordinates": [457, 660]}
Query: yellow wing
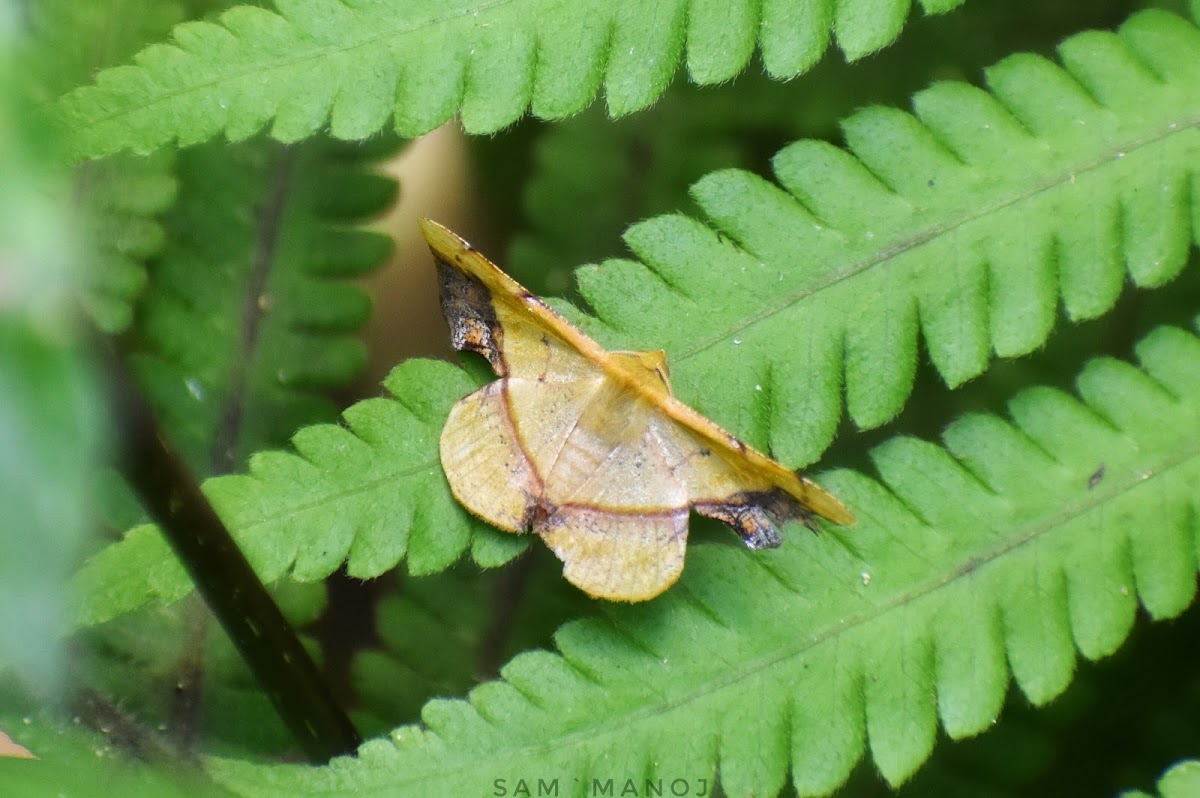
{"type": "Point", "coordinates": [589, 447]}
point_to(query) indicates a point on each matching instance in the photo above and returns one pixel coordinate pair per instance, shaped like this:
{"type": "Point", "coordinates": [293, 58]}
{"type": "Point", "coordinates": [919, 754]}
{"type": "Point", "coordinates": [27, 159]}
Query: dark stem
{"type": "Point", "coordinates": [187, 696]}
{"type": "Point", "coordinates": [270, 217]}
{"type": "Point", "coordinates": [266, 641]}
{"type": "Point", "coordinates": [119, 727]}
{"type": "Point", "coordinates": [187, 701]}
{"type": "Point", "coordinates": [506, 602]}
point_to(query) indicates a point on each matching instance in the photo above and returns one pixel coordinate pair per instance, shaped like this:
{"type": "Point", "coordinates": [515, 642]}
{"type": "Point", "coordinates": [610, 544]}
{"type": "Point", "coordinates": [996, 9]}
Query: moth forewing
{"type": "Point", "coordinates": [589, 448]}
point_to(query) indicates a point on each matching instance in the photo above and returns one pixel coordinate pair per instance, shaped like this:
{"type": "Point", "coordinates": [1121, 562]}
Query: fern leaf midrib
{"type": "Point", "coordinates": [882, 256]}
{"type": "Point", "coordinates": [361, 487]}
{"type": "Point", "coordinates": [229, 425]}
{"type": "Point", "coordinates": [291, 63]}
{"type": "Point", "coordinates": [620, 722]}
{"type": "Point", "coordinates": [1095, 499]}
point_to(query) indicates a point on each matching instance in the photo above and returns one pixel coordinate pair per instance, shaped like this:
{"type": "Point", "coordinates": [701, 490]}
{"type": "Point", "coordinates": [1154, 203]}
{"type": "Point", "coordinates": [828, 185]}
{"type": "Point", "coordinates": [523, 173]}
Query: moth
{"type": "Point", "coordinates": [589, 448]}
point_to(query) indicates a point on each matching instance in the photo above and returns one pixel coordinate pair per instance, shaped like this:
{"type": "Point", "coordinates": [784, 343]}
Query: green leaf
{"type": "Point", "coordinates": [1000, 549]}
{"type": "Point", "coordinates": [57, 62]}
{"type": "Point", "coordinates": [352, 66]}
{"type": "Point", "coordinates": [850, 266]}
{"type": "Point", "coordinates": [611, 173]}
{"type": "Point", "coordinates": [863, 27]}
{"type": "Point", "coordinates": [71, 760]}
{"type": "Point", "coordinates": [248, 323]}
{"type": "Point", "coordinates": [444, 633]}
{"type": "Point", "coordinates": [1181, 781]}
{"type": "Point", "coordinates": [120, 198]}
{"type": "Point", "coordinates": [368, 493]}
{"type": "Point", "coordinates": [945, 602]}
{"type": "Point", "coordinates": [251, 316]}
{"type": "Point", "coordinates": [968, 224]}
{"type": "Point", "coordinates": [139, 658]}
{"type": "Point", "coordinates": [591, 178]}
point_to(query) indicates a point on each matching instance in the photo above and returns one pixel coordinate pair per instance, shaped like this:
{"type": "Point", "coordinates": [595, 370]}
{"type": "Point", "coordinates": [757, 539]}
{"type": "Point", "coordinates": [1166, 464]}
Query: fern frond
{"type": "Point", "coordinates": [1020, 543]}
{"type": "Point", "coordinates": [1181, 781]}
{"type": "Point", "coordinates": [123, 198]}
{"type": "Point", "coordinates": [822, 291]}
{"type": "Point", "coordinates": [350, 65]}
{"type": "Point", "coordinates": [615, 173]}
{"type": "Point", "coordinates": [429, 636]}
{"type": "Point", "coordinates": [120, 198]}
{"type": "Point", "coordinates": [967, 223]}
{"type": "Point", "coordinates": [251, 315]}
{"type": "Point", "coordinates": [250, 319]}
{"type": "Point", "coordinates": [136, 658]}
{"type": "Point", "coordinates": [442, 634]}
{"type": "Point", "coordinates": [57, 62]}
{"type": "Point", "coordinates": [72, 760]}
{"type": "Point", "coordinates": [1112, 729]}
{"type": "Point", "coordinates": [368, 493]}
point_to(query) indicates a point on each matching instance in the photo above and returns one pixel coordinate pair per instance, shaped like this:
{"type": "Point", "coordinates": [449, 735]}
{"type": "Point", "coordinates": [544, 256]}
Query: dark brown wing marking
{"type": "Point", "coordinates": [467, 306]}
{"type": "Point", "coordinates": [757, 516]}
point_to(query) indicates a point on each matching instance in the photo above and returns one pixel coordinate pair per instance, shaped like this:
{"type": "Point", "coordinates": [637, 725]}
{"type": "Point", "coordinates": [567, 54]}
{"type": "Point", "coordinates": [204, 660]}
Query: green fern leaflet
{"type": "Point", "coordinates": [352, 65]}
{"type": "Point", "coordinates": [1181, 781]}
{"type": "Point", "coordinates": [1020, 543]}
{"type": "Point", "coordinates": [967, 227]}
{"type": "Point", "coordinates": [971, 247]}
